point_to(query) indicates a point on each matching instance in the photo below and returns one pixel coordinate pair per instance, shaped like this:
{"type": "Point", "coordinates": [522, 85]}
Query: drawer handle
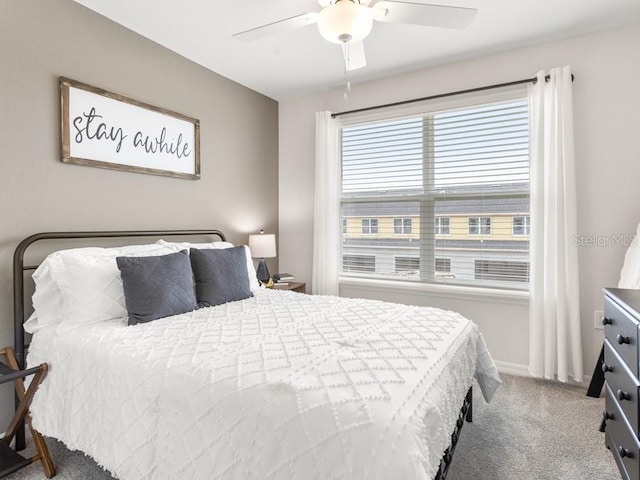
{"type": "Point", "coordinates": [607, 416]}
{"type": "Point", "coordinates": [622, 339]}
{"type": "Point", "coordinates": [606, 368]}
{"type": "Point", "coordinates": [625, 452]}
{"type": "Point", "coordinates": [607, 321]}
{"type": "Point", "coordinates": [622, 395]}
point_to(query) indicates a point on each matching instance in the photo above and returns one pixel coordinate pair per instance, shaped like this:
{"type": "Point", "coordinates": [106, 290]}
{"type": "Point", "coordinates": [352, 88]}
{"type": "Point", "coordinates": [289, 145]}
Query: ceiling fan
{"type": "Point", "coordinates": [348, 22]}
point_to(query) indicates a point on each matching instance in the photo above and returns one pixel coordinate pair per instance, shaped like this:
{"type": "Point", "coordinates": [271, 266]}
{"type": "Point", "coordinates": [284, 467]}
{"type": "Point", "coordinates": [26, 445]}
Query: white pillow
{"type": "Point", "coordinates": [188, 245]}
{"type": "Point", "coordinates": [253, 277]}
{"type": "Point", "coordinates": [47, 301]}
{"type": "Point", "coordinates": [630, 273]}
{"type": "Point", "coordinates": [32, 325]}
{"type": "Point", "coordinates": [82, 285]}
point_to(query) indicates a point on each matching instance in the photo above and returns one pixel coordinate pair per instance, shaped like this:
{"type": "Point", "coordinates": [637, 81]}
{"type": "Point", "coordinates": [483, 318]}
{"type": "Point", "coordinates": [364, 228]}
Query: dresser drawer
{"type": "Point", "coordinates": [620, 439]}
{"type": "Point", "coordinates": [622, 332]}
{"type": "Point", "coordinates": [623, 384]}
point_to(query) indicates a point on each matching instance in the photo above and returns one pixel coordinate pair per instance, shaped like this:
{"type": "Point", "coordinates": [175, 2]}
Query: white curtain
{"type": "Point", "coordinates": [326, 206]}
{"type": "Point", "coordinates": [555, 347]}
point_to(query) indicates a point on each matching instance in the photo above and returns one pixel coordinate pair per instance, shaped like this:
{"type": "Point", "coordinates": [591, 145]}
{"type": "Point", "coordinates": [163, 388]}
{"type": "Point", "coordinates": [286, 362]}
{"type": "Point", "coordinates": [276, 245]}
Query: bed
{"type": "Point", "coordinates": [277, 385]}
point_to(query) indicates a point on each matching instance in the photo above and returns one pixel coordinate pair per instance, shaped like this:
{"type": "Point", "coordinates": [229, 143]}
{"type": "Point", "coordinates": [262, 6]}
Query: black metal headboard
{"type": "Point", "coordinates": [19, 267]}
{"type": "Point", "coordinates": [18, 280]}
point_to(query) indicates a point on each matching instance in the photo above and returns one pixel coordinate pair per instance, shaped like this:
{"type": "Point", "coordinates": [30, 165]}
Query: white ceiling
{"type": "Point", "coordinates": [301, 61]}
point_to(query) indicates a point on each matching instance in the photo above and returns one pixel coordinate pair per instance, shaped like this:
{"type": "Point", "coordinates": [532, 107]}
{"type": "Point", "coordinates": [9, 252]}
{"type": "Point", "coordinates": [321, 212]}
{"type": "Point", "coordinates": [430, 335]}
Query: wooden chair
{"type": "Point", "coordinates": [10, 460]}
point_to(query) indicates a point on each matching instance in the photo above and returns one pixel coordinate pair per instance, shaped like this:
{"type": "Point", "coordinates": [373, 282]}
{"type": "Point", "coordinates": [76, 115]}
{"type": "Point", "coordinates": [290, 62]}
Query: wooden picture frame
{"type": "Point", "coordinates": [106, 130]}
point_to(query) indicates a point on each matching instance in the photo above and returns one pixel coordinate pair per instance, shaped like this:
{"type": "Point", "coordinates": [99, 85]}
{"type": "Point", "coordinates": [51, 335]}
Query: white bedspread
{"type": "Point", "coordinates": [279, 386]}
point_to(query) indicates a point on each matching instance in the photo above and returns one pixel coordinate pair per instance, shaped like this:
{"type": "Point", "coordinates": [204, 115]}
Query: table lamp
{"type": "Point", "coordinates": [262, 245]}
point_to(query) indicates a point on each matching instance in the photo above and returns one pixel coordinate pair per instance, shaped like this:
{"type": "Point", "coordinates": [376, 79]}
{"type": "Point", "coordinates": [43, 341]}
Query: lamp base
{"type": "Point", "coordinates": [263, 272]}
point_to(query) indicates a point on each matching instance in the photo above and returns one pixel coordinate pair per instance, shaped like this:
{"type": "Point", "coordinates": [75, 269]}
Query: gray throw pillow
{"type": "Point", "coordinates": [221, 275]}
{"type": "Point", "coordinates": [157, 287]}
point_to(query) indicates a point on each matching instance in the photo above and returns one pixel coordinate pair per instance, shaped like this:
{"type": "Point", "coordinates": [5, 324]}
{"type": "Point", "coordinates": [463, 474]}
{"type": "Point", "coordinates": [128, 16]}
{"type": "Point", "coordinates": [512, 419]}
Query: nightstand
{"type": "Point", "coordinates": [299, 287]}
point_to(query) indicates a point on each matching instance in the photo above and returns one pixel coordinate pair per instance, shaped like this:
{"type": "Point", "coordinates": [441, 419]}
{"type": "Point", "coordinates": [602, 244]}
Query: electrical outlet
{"type": "Point", "coordinates": [597, 319]}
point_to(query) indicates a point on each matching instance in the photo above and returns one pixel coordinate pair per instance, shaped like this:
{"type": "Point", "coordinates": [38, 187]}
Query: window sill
{"type": "Point", "coordinates": [444, 291]}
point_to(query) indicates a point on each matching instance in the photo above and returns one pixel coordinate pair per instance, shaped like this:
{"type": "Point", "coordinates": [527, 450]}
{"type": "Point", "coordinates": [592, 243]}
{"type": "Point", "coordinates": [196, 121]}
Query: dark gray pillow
{"type": "Point", "coordinates": [157, 287]}
{"type": "Point", "coordinates": [221, 275]}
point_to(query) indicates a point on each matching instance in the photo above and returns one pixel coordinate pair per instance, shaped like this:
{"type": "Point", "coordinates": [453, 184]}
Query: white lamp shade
{"type": "Point", "coordinates": [262, 245]}
{"type": "Point", "coordinates": [345, 21]}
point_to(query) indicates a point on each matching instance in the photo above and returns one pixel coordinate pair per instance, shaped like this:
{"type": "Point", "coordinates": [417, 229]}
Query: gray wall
{"type": "Point", "coordinates": [42, 40]}
{"type": "Point", "coordinates": [606, 117]}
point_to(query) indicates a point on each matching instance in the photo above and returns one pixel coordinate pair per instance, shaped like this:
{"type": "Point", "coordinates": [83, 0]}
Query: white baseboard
{"type": "Point", "coordinates": [520, 370]}
{"type": "Point", "coordinates": [511, 368]}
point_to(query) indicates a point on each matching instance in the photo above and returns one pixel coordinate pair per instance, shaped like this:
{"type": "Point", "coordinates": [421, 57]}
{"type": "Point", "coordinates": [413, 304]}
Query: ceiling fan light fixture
{"type": "Point", "coordinates": [345, 21]}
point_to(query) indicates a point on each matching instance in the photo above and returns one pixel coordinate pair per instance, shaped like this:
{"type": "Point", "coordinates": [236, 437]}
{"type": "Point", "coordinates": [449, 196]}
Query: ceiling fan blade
{"type": "Point", "coordinates": [354, 57]}
{"type": "Point", "coordinates": [277, 27]}
{"type": "Point", "coordinates": [423, 14]}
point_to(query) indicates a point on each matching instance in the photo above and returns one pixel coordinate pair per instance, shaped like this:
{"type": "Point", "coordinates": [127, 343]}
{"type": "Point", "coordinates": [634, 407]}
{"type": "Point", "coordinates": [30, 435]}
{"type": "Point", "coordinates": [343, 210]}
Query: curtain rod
{"type": "Point", "coordinates": [442, 95]}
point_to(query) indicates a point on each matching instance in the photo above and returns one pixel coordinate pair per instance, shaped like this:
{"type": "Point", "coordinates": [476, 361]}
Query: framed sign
{"type": "Point", "coordinates": [106, 130]}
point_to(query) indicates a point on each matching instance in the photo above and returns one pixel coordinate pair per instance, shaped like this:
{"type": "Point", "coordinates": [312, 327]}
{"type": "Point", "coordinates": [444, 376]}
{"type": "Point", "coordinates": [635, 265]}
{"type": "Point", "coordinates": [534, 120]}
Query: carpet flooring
{"type": "Point", "coordinates": [533, 430]}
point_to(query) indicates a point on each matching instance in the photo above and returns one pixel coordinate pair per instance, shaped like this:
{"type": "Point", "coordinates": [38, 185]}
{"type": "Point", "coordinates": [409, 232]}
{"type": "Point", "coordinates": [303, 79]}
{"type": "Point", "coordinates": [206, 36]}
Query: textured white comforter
{"type": "Point", "coordinates": [279, 386]}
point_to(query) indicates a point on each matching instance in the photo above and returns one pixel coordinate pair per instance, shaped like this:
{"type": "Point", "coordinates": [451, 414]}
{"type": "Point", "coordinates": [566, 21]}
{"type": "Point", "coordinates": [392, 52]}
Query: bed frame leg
{"type": "Point", "coordinates": [466, 413]}
{"type": "Point", "coordinates": [469, 401]}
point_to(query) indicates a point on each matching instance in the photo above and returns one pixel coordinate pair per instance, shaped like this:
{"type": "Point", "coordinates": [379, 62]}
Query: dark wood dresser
{"type": "Point", "coordinates": [621, 372]}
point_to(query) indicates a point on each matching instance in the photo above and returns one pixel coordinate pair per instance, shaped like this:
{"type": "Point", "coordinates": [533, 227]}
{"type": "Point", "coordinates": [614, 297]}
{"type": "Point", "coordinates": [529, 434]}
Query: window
{"type": "Point", "coordinates": [344, 226]}
{"type": "Point", "coordinates": [359, 263]}
{"type": "Point", "coordinates": [369, 226]}
{"type": "Point", "coordinates": [443, 265]}
{"type": "Point", "coordinates": [521, 225]}
{"type": "Point", "coordinates": [439, 188]}
{"type": "Point", "coordinates": [402, 226]}
{"type": "Point", "coordinates": [442, 226]}
{"type": "Point", "coordinates": [502, 270]}
{"type": "Point", "coordinates": [407, 264]}
{"type": "Point", "coordinates": [479, 225]}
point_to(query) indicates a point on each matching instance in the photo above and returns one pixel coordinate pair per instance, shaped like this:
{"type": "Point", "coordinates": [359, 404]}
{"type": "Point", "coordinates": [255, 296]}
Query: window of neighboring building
{"type": "Point", "coordinates": [407, 264]}
{"type": "Point", "coordinates": [479, 225]}
{"type": "Point", "coordinates": [442, 226]}
{"type": "Point", "coordinates": [402, 226]}
{"type": "Point", "coordinates": [359, 263]}
{"type": "Point", "coordinates": [424, 169]}
{"type": "Point", "coordinates": [502, 270]}
{"type": "Point", "coordinates": [369, 226]}
{"type": "Point", "coordinates": [443, 265]}
{"type": "Point", "coordinates": [521, 225]}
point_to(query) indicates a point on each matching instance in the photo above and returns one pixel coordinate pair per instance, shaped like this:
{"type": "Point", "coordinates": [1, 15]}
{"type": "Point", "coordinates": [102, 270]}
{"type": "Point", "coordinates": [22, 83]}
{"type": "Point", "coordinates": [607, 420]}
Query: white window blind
{"type": "Point", "coordinates": [459, 178]}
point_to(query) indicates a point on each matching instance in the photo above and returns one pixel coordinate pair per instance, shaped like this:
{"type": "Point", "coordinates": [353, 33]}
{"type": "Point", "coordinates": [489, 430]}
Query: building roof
{"type": "Point", "coordinates": [459, 206]}
{"type": "Point", "coordinates": [473, 244]}
{"type": "Point", "coordinates": [465, 200]}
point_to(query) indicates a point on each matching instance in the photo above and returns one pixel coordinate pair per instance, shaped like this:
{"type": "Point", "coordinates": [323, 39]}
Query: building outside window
{"type": "Point", "coordinates": [479, 225]}
{"type": "Point", "coordinates": [416, 183]}
{"type": "Point", "coordinates": [502, 270]}
{"type": "Point", "coordinates": [369, 226]}
{"type": "Point", "coordinates": [442, 226]}
{"type": "Point", "coordinates": [443, 265]}
{"type": "Point", "coordinates": [359, 263]}
{"type": "Point", "coordinates": [407, 264]}
{"type": "Point", "coordinates": [402, 226]}
{"type": "Point", "coordinates": [521, 225]}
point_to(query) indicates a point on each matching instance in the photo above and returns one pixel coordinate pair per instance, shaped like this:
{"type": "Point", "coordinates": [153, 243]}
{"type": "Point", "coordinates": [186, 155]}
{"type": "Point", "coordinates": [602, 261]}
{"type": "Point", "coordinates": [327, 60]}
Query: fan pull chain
{"type": "Point", "coordinates": [347, 51]}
